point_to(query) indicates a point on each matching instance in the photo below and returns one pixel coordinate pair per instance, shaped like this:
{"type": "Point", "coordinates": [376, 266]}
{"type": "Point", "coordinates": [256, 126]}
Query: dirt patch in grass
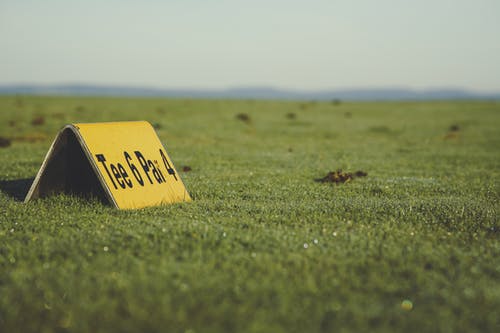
{"type": "Point", "coordinates": [453, 132]}
{"type": "Point", "coordinates": [291, 115]}
{"type": "Point", "coordinates": [244, 118]}
{"type": "Point", "coordinates": [5, 142]}
{"type": "Point", "coordinates": [341, 177]}
{"type": "Point", "coordinates": [29, 138]}
{"type": "Point", "coordinates": [186, 168]}
{"type": "Point", "coordinates": [37, 121]}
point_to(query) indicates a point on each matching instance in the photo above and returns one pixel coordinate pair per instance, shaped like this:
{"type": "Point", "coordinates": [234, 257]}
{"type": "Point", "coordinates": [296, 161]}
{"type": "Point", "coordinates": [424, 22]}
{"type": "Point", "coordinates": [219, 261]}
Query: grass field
{"type": "Point", "coordinates": [413, 246]}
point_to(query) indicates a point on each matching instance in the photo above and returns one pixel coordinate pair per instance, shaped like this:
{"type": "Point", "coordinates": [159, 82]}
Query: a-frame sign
{"type": "Point", "coordinates": [122, 163]}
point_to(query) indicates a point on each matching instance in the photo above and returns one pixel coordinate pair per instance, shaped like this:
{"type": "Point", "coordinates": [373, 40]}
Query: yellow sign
{"type": "Point", "coordinates": [131, 165]}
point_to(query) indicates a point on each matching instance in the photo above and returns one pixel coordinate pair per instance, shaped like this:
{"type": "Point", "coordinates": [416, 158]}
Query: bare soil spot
{"type": "Point", "coordinates": [186, 168]}
{"type": "Point", "coordinates": [360, 173]}
{"type": "Point", "coordinates": [5, 142]}
{"type": "Point", "coordinates": [37, 121]}
{"type": "Point", "coordinates": [243, 117]}
{"type": "Point", "coordinates": [341, 177]}
{"type": "Point", "coordinates": [453, 133]}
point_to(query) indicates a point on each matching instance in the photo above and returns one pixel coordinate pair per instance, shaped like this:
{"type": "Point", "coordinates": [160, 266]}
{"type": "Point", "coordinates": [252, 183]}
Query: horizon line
{"type": "Point", "coordinates": [237, 87]}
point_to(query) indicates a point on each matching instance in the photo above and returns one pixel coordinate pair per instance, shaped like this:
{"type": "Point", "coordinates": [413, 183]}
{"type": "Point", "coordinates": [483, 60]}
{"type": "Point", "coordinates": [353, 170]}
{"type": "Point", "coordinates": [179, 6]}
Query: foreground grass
{"type": "Point", "coordinates": [414, 246]}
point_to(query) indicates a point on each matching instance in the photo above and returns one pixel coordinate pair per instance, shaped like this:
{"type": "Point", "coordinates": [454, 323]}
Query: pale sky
{"type": "Point", "coordinates": [298, 44]}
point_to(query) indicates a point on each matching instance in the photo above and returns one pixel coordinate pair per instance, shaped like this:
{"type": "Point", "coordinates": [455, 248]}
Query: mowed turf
{"type": "Point", "coordinates": [413, 246]}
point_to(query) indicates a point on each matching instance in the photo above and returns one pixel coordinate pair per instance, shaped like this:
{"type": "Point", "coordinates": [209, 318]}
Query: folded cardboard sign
{"type": "Point", "coordinates": [121, 163]}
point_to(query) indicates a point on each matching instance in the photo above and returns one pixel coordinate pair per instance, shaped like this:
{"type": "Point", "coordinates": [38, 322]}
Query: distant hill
{"type": "Point", "coordinates": [378, 94]}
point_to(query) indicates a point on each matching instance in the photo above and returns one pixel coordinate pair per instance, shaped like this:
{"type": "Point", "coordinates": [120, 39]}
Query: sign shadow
{"type": "Point", "coordinates": [17, 188]}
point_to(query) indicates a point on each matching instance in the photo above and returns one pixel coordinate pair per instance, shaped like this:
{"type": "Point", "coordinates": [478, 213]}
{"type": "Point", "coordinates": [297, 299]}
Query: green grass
{"type": "Point", "coordinates": [263, 247]}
